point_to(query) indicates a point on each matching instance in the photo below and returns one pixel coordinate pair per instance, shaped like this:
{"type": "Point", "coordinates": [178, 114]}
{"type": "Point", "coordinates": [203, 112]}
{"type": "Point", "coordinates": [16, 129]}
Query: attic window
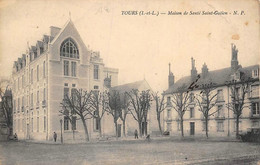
{"type": "Point", "coordinates": [69, 49]}
{"type": "Point", "coordinates": [255, 73]}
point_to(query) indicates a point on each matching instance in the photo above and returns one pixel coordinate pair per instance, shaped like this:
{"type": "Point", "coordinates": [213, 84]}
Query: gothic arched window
{"type": "Point", "coordinates": [69, 49]}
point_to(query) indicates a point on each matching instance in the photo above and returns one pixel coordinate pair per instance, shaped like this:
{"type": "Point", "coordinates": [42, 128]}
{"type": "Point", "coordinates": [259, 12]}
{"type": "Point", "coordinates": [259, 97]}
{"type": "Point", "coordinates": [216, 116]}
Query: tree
{"type": "Point", "coordinates": [78, 104]}
{"type": "Point", "coordinates": [124, 109]}
{"type": "Point", "coordinates": [140, 104]}
{"type": "Point", "coordinates": [159, 107]}
{"type": "Point", "coordinates": [180, 103]}
{"type": "Point", "coordinates": [206, 100]}
{"type": "Point", "coordinates": [97, 107]}
{"type": "Point", "coordinates": [114, 107]}
{"type": "Point", "coordinates": [7, 108]}
{"type": "Point", "coordinates": [239, 89]}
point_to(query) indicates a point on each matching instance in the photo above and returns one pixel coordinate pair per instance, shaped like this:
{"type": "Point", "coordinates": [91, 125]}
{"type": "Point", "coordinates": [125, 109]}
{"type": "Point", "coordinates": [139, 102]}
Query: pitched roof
{"type": "Point", "coordinates": [218, 77]}
{"type": "Point", "coordinates": [129, 86]}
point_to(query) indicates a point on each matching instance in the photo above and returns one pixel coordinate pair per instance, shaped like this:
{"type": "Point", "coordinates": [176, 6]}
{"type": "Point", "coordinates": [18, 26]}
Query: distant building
{"type": "Point", "coordinates": [131, 123]}
{"type": "Point", "coordinates": [49, 70]}
{"type": "Point", "coordinates": [223, 122]}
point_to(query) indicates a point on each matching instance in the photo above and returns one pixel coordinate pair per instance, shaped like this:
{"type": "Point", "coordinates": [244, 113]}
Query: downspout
{"type": "Point", "coordinates": [228, 114]}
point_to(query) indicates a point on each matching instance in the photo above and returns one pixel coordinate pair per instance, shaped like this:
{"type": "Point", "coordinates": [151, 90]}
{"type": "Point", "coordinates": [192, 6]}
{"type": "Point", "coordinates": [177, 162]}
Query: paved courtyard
{"type": "Point", "coordinates": [136, 152]}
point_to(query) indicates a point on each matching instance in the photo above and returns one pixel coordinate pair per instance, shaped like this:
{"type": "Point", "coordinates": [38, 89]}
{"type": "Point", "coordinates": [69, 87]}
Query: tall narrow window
{"type": "Point", "coordinates": [14, 106]}
{"type": "Point", "coordinates": [96, 67]}
{"type": "Point", "coordinates": [43, 69]}
{"type": "Point", "coordinates": [66, 68]}
{"type": "Point", "coordinates": [37, 72]}
{"type": "Point", "coordinates": [37, 97]}
{"type": "Point", "coordinates": [69, 49]}
{"type": "Point", "coordinates": [44, 94]}
{"type": "Point", "coordinates": [255, 108]}
{"type": "Point", "coordinates": [66, 123]}
{"type": "Point", "coordinates": [66, 93]}
{"type": "Point", "coordinates": [22, 81]}
{"type": "Point", "coordinates": [96, 123]}
{"type": "Point", "coordinates": [220, 95]}
{"type": "Point", "coordinates": [32, 124]}
{"type": "Point", "coordinates": [32, 100]}
{"type": "Point", "coordinates": [73, 69]}
{"type": "Point", "coordinates": [44, 124]}
{"type": "Point", "coordinates": [191, 112]}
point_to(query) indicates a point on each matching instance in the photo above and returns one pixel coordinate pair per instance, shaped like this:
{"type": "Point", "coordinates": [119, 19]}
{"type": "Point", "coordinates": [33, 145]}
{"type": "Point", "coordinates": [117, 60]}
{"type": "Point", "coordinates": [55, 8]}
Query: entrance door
{"type": "Point", "coordinates": [27, 131]}
{"type": "Point", "coordinates": [119, 130]}
{"type": "Point", "coordinates": [192, 128]}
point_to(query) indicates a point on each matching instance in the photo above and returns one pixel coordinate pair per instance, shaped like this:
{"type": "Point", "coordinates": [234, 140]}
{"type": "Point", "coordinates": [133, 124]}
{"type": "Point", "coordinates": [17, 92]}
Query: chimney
{"type": "Point", "coordinates": [204, 70]}
{"type": "Point", "coordinates": [54, 31]}
{"type": "Point", "coordinates": [194, 73]}
{"type": "Point", "coordinates": [107, 81]}
{"type": "Point", "coordinates": [170, 77]}
{"type": "Point", "coordinates": [234, 61]}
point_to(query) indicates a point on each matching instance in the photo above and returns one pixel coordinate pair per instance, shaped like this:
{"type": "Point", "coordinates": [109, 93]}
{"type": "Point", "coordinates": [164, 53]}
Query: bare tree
{"type": "Point", "coordinates": [180, 103]}
{"type": "Point", "coordinates": [7, 108]}
{"type": "Point", "coordinates": [114, 107]}
{"type": "Point", "coordinates": [140, 104]}
{"type": "Point", "coordinates": [159, 107]}
{"type": "Point", "coordinates": [124, 110]}
{"type": "Point", "coordinates": [97, 107]}
{"type": "Point", "coordinates": [78, 104]}
{"type": "Point", "coordinates": [239, 89]}
{"type": "Point", "coordinates": [206, 100]}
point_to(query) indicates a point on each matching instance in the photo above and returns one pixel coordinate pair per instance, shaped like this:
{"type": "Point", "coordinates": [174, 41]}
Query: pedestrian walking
{"type": "Point", "coordinates": [55, 136]}
{"type": "Point", "coordinates": [136, 134]}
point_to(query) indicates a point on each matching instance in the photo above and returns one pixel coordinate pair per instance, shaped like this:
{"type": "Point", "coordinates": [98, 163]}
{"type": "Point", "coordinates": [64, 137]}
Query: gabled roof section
{"type": "Point", "coordinates": [217, 77]}
{"type": "Point", "coordinates": [129, 86]}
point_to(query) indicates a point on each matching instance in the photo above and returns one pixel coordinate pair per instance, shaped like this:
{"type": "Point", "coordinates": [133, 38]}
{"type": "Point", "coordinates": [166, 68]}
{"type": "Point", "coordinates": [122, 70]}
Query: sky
{"type": "Point", "coordinates": [139, 46]}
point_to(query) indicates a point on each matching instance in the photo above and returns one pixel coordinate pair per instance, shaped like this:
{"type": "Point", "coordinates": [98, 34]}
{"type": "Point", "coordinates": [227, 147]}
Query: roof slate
{"type": "Point", "coordinates": [217, 77]}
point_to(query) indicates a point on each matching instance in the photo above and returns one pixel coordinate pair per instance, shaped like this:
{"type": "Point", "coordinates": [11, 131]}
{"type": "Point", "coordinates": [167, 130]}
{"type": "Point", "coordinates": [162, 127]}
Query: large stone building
{"type": "Point", "coordinates": [49, 70]}
{"type": "Point", "coordinates": [223, 122]}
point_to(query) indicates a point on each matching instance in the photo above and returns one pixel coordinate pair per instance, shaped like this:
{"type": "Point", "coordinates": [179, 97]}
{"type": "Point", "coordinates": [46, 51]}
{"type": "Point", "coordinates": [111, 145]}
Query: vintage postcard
{"type": "Point", "coordinates": [129, 82]}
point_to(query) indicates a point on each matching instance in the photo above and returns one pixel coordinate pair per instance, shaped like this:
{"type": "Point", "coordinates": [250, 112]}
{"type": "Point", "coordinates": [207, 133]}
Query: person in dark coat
{"type": "Point", "coordinates": [136, 134]}
{"type": "Point", "coordinates": [55, 136]}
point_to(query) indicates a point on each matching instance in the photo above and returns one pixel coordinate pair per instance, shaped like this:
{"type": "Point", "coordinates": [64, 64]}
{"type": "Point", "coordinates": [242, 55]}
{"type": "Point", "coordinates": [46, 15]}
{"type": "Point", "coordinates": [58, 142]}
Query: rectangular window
{"type": "Point", "coordinates": [37, 124]}
{"type": "Point", "coordinates": [95, 87]}
{"type": "Point", "coordinates": [254, 91]}
{"type": "Point", "coordinates": [169, 126]}
{"type": "Point", "coordinates": [191, 97]}
{"type": "Point", "coordinates": [43, 69]}
{"type": "Point", "coordinates": [22, 103]}
{"type": "Point", "coordinates": [96, 68]}
{"type": "Point", "coordinates": [191, 112]}
{"type": "Point", "coordinates": [220, 112]}
{"type": "Point", "coordinates": [220, 95]}
{"type": "Point", "coordinates": [32, 76]}
{"type": "Point", "coordinates": [32, 100]}
{"type": "Point", "coordinates": [44, 124]}
{"type": "Point", "coordinates": [66, 68]}
{"type": "Point", "coordinates": [66, 123]}
{"type": "Point", "coordinates": [255, 108]}
{"type": "Point", "coordinates": [169, 114]}
{"type": "Point", "coordinates": [220, 126]}
{"type": "Point", "coordinates": [18, 105]}
{"type": "Point", "coordinates": [204, 126]}
{"type": "Point", "coordinates": [37, 72]}
{"type": "Point", "coordinates": [73, 69]}
{"type": "Point", "coordinates": [66, 93]}
{"type": "Point", "coordinates": [168, 100]}
{"type": "Point", "coordinates": [74, 123]}
{"type": "Point", "coordinates": [73, 85]}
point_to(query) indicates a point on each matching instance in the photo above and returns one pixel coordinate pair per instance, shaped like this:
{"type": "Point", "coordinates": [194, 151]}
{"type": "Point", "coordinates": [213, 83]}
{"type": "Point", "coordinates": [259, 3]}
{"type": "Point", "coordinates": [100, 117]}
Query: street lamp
{"type": "Point", "coordinates": [61, 138]}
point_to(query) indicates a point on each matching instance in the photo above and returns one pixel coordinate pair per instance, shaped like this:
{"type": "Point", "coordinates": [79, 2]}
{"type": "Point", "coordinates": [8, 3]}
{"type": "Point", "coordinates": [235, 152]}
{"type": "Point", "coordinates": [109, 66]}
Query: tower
{"type": "Point", "coordinates": [194, 73]}
{"type": "Point", "coordinates": [170, 77]}
{"type": "Point", "coordinates": [234, 61]}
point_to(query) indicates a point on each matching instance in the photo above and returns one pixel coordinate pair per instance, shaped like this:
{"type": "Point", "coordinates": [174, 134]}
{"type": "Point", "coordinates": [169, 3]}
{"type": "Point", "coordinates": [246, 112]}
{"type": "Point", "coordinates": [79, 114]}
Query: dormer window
{"type": "Point", "coordinates": [69, 49]}
{"type": "Point", "coordinates": [255, 73]}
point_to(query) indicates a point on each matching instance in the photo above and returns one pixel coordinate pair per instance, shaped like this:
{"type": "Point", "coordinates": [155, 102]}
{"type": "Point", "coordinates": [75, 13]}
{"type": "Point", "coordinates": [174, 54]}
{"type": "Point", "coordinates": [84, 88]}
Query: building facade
{"type": "Point", "coordinates": [223, 121]}
{"type": "Point", "coordinates": [57, 64]}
